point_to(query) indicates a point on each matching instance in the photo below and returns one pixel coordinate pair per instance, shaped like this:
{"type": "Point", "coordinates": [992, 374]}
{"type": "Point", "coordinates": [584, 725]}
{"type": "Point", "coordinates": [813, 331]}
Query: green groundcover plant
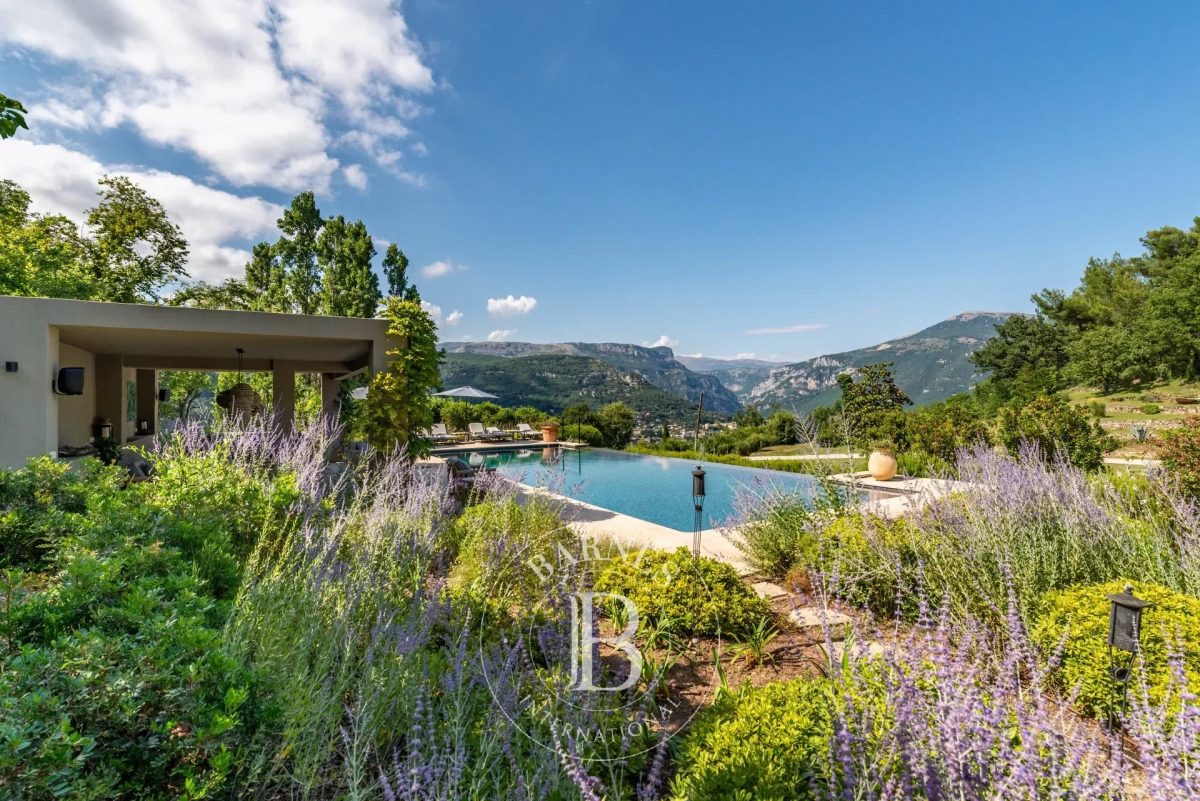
{"type": "Point", "coordinates": [701, 596]}
{"type": "Point", "coordinates": [1073, 626]}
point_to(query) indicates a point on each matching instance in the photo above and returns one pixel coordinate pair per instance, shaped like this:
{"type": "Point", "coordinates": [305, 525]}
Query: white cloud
{"type": "Point", "coordinates": [510, 306]}
{"type": "Point", "coordinates": [663, 341]}
{"type": "Point", "coordinates": [747, 355]}
{"type": "Point", "coordinates": [355, 175]}
{"type": "Point", "coordinates": [802, 328]}
{"type": "Point", "coordinates": [435, 311]}
{"type": "Point", "coordinates": [62, 181]}
{"type": "Point", "coordinates": [501, 334]}
{"type": "Point", "coordinates": [440, 268]}
{"type": "Point", "coordinates": [247, 86]}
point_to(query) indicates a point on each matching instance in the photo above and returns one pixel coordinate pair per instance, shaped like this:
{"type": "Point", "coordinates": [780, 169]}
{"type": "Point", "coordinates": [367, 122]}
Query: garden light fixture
{"type": "Point", "coordinates": [1124, 633]}
{"type": "Point", "coordinates": [698, 503]}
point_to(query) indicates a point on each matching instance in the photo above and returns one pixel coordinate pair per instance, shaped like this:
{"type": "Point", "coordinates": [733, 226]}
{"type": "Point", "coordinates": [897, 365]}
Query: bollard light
{"type": "Point", "coordinates": [1124, 635]}
{"type": "Point", "coordinates": [698, 504]}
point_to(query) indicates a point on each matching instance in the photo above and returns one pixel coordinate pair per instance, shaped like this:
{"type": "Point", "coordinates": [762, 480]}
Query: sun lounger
{"type": "Point", "coordinates": [478, 432]}
{"type": "Point", "coordinates": [527, 432]}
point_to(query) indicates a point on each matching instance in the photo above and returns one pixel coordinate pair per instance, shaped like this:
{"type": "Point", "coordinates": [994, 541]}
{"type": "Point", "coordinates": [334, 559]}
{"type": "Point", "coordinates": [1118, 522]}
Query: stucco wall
{"type": "Point", "coordinates": [76, 412]}
{"type": "Point", "coordinates": [25, 424]}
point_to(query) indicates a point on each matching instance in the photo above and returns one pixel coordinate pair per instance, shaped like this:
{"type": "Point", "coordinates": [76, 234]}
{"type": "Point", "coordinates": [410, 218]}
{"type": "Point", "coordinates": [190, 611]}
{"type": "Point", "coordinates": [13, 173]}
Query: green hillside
{"type": "Point", "coordinates": [930, 365]}
{"type": "Point", "coordinates": [553, 381]}
{"type": "Point", "coordinates": [658, 366]}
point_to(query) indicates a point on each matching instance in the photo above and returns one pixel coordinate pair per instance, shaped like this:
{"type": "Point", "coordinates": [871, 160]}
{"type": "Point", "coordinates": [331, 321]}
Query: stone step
{"type": "Point", "coordinates": [869, 649]}
{"type": "Point", "coordinates": [765, 589]}
{"type": "Point", "coordinates": [812, 617]}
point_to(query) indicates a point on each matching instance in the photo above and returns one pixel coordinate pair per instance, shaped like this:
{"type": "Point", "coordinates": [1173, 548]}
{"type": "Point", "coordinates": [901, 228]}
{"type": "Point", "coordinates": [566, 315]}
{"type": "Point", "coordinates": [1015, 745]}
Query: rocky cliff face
{"type": "Point", "coordinates": [930, 365]}
{"type": "Point", "coordinates": [658, 366]}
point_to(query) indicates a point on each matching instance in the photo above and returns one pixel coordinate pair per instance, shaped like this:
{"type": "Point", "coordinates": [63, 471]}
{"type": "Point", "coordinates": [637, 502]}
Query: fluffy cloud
{"type": "Point", "coordinates": [355, 175]}
{"type": "Point", "coordinates": [501, 334]}
{"type": "Point", "coordinates": [435, 311]}
{"type": "Point", "coordinates": [249, 88]}
{"type": "Point", "coordinates": [802, 328]}
{"type": "Point", "coordinates": [510, 306]}
{"type": "Point", "coordinates": [663, 341]}
{"type": "Point", "coordinates": [62, 181]}
{"type": "Point", "coordinates": [441, 268]}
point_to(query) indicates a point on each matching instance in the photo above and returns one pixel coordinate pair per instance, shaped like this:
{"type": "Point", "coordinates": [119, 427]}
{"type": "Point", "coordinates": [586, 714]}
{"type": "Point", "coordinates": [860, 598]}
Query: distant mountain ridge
{"type": "Point", "coordinates": [658, 366]}
{"type": "Point", "coordinates": [930, 365]}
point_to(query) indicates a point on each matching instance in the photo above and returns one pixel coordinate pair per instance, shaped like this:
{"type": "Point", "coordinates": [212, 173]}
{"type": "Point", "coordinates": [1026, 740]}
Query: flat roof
{"type": "Point", "coordinates": [170, 337]}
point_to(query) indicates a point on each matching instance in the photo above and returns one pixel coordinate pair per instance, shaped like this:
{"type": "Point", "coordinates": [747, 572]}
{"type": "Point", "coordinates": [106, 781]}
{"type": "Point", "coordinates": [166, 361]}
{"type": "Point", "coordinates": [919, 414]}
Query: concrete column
{"type": "Point", "coordinates": [330, 392]}
{"type": "Point", "coordinates": [110, 390]}
{"type": "Point", "coordinates": [147, 401]}
{"type": "Point", "coordinates": [283, 395]}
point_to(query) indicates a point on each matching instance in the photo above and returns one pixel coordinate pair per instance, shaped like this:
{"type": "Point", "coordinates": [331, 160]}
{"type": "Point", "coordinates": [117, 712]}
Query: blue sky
{"type": "Point", "coordinates": [837, 173]}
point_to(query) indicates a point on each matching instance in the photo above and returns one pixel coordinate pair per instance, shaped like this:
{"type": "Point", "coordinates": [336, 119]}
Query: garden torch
{"type": "Point", "coordinates": [698, 503]}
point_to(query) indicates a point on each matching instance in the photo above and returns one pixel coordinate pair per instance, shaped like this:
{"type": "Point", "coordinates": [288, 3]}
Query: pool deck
{"type": "Point", "coordinates": [484, 446]}
{"type": "Point", "coordinates": [900, 495]}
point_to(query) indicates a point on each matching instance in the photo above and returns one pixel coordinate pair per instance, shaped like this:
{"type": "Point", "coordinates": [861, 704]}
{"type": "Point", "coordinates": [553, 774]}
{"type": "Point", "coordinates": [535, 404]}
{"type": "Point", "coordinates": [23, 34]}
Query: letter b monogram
{"type": "Point", "coordinates": [583, 638]}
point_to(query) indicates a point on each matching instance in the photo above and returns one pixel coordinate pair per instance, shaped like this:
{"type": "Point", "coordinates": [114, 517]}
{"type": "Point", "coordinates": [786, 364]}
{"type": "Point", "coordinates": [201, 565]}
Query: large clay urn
{"type": "Point", "coordinates": [882, 464]}
{"type": "Point", "coordinates": [549, 432]}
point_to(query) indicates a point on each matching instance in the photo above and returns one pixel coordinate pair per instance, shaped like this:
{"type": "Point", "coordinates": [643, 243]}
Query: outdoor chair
{"type": "Point", "coordinates": [527, 432]}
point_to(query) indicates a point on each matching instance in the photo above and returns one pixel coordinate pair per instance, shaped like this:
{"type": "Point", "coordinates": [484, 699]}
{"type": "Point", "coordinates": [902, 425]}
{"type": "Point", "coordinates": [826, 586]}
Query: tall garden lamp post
{"type": "Point", "coordinates": [1124, 632]}
{"type": "Point", "coordinates": [698, 504]}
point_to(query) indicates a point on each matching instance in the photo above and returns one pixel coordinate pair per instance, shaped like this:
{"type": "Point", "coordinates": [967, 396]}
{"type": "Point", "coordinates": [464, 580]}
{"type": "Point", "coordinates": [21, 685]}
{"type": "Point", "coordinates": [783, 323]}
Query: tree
{"type": "Point", "coordinates": [941, 429]}
{"type": "Point", "coordinates": [1109, 357]}
{"type": "Point", "coordinates": [232, 294]}
{"type": "Point", "coordinates": [186, 387]}
{"type": "Point", "coordinates": [297, 249]}
{"type": "Point", "coordinates": [616, 421]}
{"type": "Point", "coordinates": [395, 268]}
{"type": "Point", "coordinates": [399, 401]}
{"type": "Point", "coordinates": [135, 250]}
{"type": "Point", "coordinates": [266, 276]}
{"type": "Point", "coordinates": [1024, 345]}
{"type": "Point", "coordinates": [40, 256]}
{"type": "Point", "coordinates": [1058, 429]}
{"type": "Point", "coordinates": [874, 405]}
{"type": "Point", "coordinates": [12, 117]}
{"type": "Point", "coordinates": [349, 286]}
{"type": "Point", "coordinates": [748, 417]}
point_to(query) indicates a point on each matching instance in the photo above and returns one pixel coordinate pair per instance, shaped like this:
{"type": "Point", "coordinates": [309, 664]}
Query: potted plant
{"type": "Point", "coordinates": [881, 464]}
{"type": "Point", "coordinates": [550, 431]}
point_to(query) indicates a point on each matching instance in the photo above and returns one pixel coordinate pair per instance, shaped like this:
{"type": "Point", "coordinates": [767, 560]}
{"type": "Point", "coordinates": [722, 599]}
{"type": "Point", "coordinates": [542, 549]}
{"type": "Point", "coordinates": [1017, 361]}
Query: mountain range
{"type": "Point", "coordinates": [930, 365]}
{"type": "Point", "coordinates": [656, 366]}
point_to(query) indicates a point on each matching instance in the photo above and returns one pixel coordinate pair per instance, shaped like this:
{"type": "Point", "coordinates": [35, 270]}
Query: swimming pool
{"type": "Point", "coordinates": [652, 488]}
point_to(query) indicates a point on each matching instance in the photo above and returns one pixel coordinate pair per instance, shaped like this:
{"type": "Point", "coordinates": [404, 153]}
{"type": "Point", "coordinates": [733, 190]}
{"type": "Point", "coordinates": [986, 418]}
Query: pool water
{"type": "Point", "coordinates": [652, 488]}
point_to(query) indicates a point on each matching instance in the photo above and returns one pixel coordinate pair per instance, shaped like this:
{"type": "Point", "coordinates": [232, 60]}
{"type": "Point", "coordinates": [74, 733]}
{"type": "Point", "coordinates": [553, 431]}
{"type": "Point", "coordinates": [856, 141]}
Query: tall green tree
{"type": "Point", "coordinates": [12, 117]}
{"type": "Point", "coordinates": [135, 250]}
{"type": "Point", "coordinates": [266, 276]}
{"type": "Point", "coordinates": [40, 256]}
{"type": "Point", "coordinates": [399, 400]}
{"type": "Point", "coordinates": [349, 286]}
{"type": "Point", "coordinates": [874, 405]}
{"type": "Point", "coordinates": [395, 268]}
{"type": "Point", "coordinates": [297, 250]}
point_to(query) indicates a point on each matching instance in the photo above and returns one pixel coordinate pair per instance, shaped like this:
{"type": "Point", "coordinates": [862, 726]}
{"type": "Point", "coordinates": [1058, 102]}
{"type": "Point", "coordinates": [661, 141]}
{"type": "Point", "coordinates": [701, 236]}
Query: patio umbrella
{"type": "Point", "coordinates": [467, 393]}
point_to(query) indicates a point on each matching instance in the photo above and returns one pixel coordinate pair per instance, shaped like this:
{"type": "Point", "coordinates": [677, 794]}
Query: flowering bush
{"type": "Point", "coordinates": [1080, 614]}
{"type": "Point", "coordinates": [1181, 456]}
{"type": "Point", "coordinates": [1039, 526]}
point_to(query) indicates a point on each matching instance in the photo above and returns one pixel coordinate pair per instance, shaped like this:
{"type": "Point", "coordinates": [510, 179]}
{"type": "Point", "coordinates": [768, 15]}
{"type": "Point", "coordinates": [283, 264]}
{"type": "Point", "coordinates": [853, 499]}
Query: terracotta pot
{"type": "Point", "coordinates": [549, 432]}
{"type": "Point", "coordinates": [882, 465]}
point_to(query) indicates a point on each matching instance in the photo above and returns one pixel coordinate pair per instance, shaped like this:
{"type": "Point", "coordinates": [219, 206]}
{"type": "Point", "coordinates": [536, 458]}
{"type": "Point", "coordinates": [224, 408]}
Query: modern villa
{"type": "Point", "coordinates": [71, 365]}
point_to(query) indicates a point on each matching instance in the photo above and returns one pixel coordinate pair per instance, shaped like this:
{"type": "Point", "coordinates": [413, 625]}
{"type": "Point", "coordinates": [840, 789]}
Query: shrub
{"type": "Point", "coordinates": [1097, 409]}
{"type": "Point", "coordinates": [44, 503]}
{"type": "Point", "coordinates": [921, 463]}
{"type": "Point", "coordinates": [1181, 456]}
{"type": "Point", "coordinates": [1081, 613]}
{"type": "Point", "coordinates": [1058, 429]}
{"type": "Point", "coordinates": [766, 743]}
{"type": "Point", "coordinates": [703, 597]}
{"type": "Point", "coordinates": [1151, 408]}
{"type": "Point", "coordinates": [584, 433]}
{"type": "Point", "coordinates": [495, 541]}
{"type": "Point", "coordinates": [941, 429]}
